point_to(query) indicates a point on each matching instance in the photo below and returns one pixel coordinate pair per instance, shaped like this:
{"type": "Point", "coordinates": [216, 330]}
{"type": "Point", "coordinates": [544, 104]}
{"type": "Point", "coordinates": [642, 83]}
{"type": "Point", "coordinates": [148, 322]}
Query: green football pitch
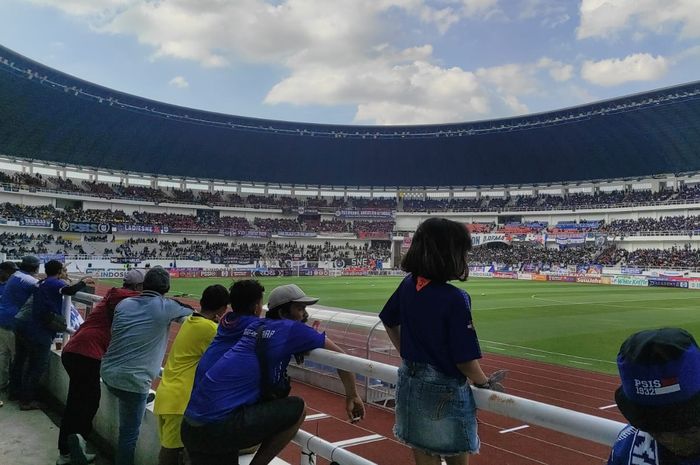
{"type": "Point", "coordinates": [579, 325]}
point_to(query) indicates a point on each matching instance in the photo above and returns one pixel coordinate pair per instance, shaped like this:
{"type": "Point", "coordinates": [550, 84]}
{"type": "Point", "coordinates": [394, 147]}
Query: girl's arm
{"type": "Point", "coordinates": [395, 336]}
{"type": "Point", "coordinates": [472, 370]}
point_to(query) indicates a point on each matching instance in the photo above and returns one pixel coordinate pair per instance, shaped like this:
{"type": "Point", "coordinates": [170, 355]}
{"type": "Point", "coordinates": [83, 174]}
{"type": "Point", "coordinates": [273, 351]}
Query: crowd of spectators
{"type": "Point", "coordinates": [518, 255]}
{"type": "Point", "coordinates": [218, 198]}
{"type": "Point", "coordinates": [680, 224]}
{"type": "Point", "coordinates": [675, 257]}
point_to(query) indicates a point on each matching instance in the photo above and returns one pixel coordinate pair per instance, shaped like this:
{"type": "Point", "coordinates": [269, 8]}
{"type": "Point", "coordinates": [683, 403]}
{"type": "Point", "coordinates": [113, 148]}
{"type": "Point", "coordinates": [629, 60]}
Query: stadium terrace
{"type": "Point", "coordinates": [89, 125]}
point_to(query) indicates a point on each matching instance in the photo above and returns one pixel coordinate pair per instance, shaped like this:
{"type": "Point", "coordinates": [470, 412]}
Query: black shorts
{"type": "Point", "coordinates": [243, 428]}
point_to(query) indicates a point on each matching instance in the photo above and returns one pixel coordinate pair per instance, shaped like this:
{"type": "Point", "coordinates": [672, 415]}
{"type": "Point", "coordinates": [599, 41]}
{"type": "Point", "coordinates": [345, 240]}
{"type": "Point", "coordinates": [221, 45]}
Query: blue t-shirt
{"type": "Point", "coordinates": [47, 299]}
{"type": "Point", "coordinates": [234, 380]}
{"type": "Point", "coordinates": [228, 334]}
{"type": "Point", "coordinates": [635, 447]}
{"type": "Point", "coordinates": [2, 288]}
{"type": "Point", "coordinates": [18, 289]}
{"type": "Point", "coordinates": [436, 324]}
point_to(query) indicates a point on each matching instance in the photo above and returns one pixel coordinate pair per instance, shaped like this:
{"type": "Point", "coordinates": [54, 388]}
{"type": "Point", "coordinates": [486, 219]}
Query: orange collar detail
{"type": "Point", "coordinates": [421, 282]}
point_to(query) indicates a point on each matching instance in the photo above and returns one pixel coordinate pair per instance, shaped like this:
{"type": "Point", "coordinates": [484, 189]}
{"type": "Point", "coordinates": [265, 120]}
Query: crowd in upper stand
{"type": "Point", "coordinates": [409, 204]}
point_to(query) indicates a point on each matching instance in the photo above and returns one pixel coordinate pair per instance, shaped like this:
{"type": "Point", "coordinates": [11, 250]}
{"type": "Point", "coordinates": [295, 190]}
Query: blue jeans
{"type": "Point", "coordinates": [132, 406]}
{"type": "Point", "coordinates": [31, 362]}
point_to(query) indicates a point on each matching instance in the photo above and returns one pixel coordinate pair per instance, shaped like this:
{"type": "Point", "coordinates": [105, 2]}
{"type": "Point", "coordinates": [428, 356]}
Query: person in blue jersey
{"type": "Point", "coordinates": [7, 269]}
{"type": "Point", "coordinates": [429, 322]}
{"type": "Point", "coordinates": [36, 330]}
{"type": "Point", "coordinates": [660, 398]}
{"type": "Point", "coordinates": [236, 403]}
{"type": "Point", "coordinates": [246, 298]}
{"type": "Point", "coordinates": [17, 291]}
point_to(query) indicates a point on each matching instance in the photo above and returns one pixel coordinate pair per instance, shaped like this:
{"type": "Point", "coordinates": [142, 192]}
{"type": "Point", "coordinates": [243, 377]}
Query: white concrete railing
{"type": "Point", "coordinates": [577, 424]}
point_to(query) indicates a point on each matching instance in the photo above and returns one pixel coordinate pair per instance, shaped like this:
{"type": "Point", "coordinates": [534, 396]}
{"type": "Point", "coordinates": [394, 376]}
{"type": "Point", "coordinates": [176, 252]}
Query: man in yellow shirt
{"type": "Point", "coordinates": [175, 387]}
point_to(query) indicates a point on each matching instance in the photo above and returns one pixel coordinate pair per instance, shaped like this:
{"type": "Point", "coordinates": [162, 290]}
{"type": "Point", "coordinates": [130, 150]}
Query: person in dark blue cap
{"type": "Point", "coordinates": [660, 397]}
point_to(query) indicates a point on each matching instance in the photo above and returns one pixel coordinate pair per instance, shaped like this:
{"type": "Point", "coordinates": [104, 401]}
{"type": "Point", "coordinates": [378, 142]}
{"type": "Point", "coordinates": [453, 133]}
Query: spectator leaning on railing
{"type": "Point", "coordinates": [18, 290]}
{"type": "Point", "coordinates": [175, 386]}
{"type": "Point", "coordinates": [139, 338]}
{"type": "Point", "coordinates": [81, 357]}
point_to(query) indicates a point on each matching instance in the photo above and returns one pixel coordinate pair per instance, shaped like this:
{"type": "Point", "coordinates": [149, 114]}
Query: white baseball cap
{"type": "Point", "coordinates": [288, 293]}
{"type": "Point", "coordinates": [133, 277]}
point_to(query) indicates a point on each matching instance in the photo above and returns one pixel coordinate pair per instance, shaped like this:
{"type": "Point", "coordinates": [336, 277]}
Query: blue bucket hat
{"type": "Point", "coordinates": [660, 374]}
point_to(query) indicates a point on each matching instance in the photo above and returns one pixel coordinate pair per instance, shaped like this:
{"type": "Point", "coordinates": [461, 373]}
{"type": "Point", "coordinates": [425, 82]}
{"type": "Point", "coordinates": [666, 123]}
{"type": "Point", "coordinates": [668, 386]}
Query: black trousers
{"type": "Point", "coordinates": [83, 397]}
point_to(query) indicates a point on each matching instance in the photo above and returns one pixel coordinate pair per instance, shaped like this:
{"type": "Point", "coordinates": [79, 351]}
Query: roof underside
{"type": "Point", "coordinates": [50, 116]}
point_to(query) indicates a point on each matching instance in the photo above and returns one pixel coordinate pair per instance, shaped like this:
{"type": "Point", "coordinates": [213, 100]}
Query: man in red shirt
{"type": "Point", "coordinates": [81, 358]}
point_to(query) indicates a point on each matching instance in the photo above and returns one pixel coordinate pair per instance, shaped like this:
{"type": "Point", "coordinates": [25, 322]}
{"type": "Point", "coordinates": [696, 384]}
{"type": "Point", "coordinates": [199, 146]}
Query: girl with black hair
{"type": "Point", "coordinates": [429, 322]}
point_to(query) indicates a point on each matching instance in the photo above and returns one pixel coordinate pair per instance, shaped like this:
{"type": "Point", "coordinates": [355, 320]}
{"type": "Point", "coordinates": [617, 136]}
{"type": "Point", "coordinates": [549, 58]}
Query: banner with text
{"type": "Point", "coordinates": [78, 227]}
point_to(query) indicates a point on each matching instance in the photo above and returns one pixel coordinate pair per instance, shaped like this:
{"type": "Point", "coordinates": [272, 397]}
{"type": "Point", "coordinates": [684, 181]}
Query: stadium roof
{"type": "Point", "coordinates": [51, 116]}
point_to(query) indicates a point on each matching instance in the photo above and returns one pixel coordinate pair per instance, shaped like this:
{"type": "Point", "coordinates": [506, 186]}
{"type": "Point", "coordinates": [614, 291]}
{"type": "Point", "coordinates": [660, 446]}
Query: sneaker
{"type": "Point", "coordinates": [63, 459]}
{"type": "Point", "coordinates": [78, 454]}
{"type": "Point", "coordinates": [151, 397]}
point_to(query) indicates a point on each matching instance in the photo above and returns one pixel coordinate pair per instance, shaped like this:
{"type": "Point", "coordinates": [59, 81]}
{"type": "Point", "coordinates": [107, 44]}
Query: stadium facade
{"type": "Point", "coordinates": [50, 116]}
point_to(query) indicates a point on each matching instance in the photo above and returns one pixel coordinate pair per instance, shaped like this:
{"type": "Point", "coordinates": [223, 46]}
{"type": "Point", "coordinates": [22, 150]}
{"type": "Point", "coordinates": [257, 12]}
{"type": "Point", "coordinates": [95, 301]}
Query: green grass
{"type": "Point", "coordinates": [579, 325]}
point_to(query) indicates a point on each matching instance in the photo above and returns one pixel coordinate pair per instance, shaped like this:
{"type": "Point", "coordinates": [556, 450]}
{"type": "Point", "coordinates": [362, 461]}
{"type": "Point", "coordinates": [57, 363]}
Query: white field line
{"type": "Point", "coordinates": [604, 303]}
{"type": "Point", "coordinates": [605, 407]}
{"type": "Point", "coordinates": [580, 363]}
{"type": "Point", "coordinates": [510, 430]}
{"type": "Point", "coordinates": [559, 354]}
{"type": "Point", "coordinates": [317, 416]}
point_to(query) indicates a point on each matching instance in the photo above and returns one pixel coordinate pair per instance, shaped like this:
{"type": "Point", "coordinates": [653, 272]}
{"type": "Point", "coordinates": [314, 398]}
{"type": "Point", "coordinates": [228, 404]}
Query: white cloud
{"type": "Point", "coordinates": [471, 8]}
{"type": "Point", "coordinates": [335, 52]}
{"type": "Point", "coordinates": [179, 82]}
{"type": "Point", "coordinates": [614, 71]}
{"type": "Point", "coordinates": [607, 18]}
{"type": "Point", "coordinates": [558, 71]}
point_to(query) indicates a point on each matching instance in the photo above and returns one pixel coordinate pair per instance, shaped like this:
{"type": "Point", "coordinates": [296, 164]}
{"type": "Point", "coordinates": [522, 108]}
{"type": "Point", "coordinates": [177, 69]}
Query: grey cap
{"type": "Point", "coordinates": [288, 293]}
{"type": "Point", "coordinates": [133, 277]}
{"type": "Point", "coordinates": [157, 279]}
{"type": "Point", "coordinates": [30, 262]}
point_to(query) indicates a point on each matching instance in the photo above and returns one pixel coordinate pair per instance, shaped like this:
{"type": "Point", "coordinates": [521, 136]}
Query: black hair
{"type": "Point", "coordinates": [279, 311]}
{"type": "Point", "coordinates": [157, 279]}
{"type": "Point", "coordinates": [214, 297]}
{"type": "Point", "coordinates": [245, 294]}
{"type": "Point", "coordinates": [9, 267]}
{"type": "Point", "coordinates": [53, 268]}
{"type": "Point", "coordinates": [439, 251]}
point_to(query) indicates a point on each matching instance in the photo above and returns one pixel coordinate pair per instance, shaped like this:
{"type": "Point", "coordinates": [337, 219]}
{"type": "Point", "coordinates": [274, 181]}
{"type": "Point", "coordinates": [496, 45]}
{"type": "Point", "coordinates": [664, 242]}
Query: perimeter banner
{"type": "Point", "coordinates": [78, 227]}
{"type": "Point", "coordinates": [365, 213]}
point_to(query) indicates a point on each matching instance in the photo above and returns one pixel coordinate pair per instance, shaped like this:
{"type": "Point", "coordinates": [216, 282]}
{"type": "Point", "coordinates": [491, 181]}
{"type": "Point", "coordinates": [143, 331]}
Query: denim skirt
{"type": "Point", "coordinates": [435, 413]}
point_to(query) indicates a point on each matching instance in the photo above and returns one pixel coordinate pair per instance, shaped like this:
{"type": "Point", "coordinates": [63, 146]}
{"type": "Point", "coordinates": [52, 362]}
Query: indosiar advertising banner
{"type": "Point", "coordinates": [525, 276]}
{"type": "Point", "coordinates": [297, 233]}
{"type": "Point", "coordinates": [668, 283]}
{"type": "Point", "coordinates": [79, 227]}
{"type": "Point", "coordinates": [694, 285]}
{"type": "Point", "coordinates": [638, 281]}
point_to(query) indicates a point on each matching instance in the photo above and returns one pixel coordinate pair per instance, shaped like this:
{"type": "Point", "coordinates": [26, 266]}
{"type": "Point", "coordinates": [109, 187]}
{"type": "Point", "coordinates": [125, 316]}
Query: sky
{"type": "Point", "coordinates": [364, 61]}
